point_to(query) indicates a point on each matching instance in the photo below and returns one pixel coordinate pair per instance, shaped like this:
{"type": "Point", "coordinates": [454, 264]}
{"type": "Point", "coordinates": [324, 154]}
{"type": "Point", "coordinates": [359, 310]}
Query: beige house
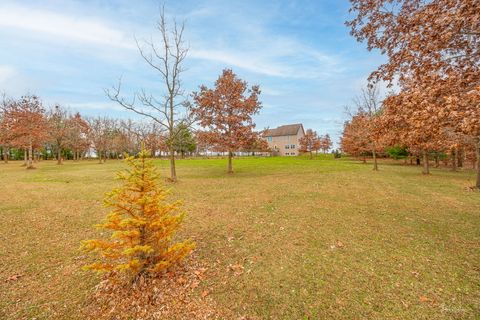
{"type": "Point", "coordinates": [284, 140]}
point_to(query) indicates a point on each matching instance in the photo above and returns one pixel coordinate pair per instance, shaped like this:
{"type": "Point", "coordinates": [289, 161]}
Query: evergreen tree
{"type": "Point", "coordinates": [184, 141]}
{"type": "Point", "coordinates": [142, 222]}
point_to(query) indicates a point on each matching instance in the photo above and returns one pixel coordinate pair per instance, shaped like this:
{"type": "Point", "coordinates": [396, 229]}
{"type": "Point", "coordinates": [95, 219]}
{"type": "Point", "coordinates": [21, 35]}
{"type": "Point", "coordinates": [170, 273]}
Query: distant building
{"type": "Point", "coordinates": [284, 140]}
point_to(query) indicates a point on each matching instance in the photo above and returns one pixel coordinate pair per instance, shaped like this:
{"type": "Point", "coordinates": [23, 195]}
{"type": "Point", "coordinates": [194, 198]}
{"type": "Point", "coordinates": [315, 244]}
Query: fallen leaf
{"type": "Point", "coordinates": [14, 277]}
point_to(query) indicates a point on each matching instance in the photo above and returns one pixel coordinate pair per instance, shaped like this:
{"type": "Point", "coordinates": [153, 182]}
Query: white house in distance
{"type": "Point", "coordinates": [284, 140]}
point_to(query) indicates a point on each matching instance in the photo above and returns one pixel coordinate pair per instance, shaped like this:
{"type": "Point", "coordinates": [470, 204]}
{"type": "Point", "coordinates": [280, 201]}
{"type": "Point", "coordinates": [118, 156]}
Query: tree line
{"type": "Point", "coordinates": [31, 131]}
{"type": "Point", "coordinates": [433, 57]}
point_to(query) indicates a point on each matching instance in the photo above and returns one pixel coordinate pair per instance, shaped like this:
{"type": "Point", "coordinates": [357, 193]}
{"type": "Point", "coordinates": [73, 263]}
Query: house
{"type": "Point", "coordinates": [284, 140]}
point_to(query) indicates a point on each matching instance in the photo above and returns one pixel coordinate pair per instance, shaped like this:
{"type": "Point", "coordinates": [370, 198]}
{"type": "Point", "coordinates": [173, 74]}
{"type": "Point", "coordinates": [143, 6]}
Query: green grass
{"type": "Point", "coordinates": [318, 239]}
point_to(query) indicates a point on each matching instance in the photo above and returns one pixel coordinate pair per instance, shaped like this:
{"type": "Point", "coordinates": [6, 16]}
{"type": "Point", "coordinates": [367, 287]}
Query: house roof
{"type": "Point", "coordinates": [286, 130]}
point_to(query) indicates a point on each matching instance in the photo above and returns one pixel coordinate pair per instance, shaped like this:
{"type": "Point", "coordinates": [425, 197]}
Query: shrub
{"type": "Point", "coordinates": [142, 223]}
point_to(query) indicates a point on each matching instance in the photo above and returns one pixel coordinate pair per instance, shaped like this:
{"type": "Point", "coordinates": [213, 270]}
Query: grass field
{"type": "Point", "coordinates": [317, 239]}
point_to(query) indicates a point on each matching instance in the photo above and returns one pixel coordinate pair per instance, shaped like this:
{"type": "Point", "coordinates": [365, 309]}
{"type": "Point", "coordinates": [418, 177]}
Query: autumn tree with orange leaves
{"type": "Point", "coordinates": [355, 139]}
{"type": "Point", "coordinates": [433, 51]}
{"type": "Point", "coordinates": [258, 145]}
{"type": "Point", "coordinates": [24, 125]}
{"type": "Point", "coordinates": [310, 142]}
{"type": "Point", "coordinates": [142, 224]}
{"type": "Point", "coordinates": [325, 143]}
{"type": "Point", "coordinates": [78, 135]}
{"type": "Point", "coordinates": [226, 112]}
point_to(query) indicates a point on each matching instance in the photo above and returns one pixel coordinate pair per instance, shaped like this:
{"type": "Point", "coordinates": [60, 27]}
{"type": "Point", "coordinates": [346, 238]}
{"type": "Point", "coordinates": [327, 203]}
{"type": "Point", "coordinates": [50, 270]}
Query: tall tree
{"type": "Point", "coordinates": [4, 142]}
{"type": "Point", "coordinates": [59, 128]}
{"type": "Point", "coordinates": [226, 112]}
{"type": "Point", "coordinates": [325, 143]}
{"type": "Point", "coordinates": [25, 125]}
{"type": "Point", "coordinates": [78, 135]}
{"type": "Point", "coordinates": [368, 103]}
{"type": "Point", "coordinates": [167, 60]}
{"type": "Point", "coordinates": [310, 142]}
{"type": "Point", "coordinates": [98, 135]}
{"type": "Point", "coordinates": [355, 137]}
{"type": "Point", "coordinates": [414, 116]}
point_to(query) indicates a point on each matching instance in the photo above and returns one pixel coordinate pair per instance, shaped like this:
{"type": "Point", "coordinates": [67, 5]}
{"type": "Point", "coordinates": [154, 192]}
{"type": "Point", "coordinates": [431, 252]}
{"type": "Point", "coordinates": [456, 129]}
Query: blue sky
{"type": "Point", "coordinates": [299, 52]}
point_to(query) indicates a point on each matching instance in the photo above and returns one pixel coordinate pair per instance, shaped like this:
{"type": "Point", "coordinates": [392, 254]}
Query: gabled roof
{"type": "Point", "coordinates": [286, 130]}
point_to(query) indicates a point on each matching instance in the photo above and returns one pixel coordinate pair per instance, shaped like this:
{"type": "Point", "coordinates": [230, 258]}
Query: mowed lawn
{"type": "Point", "coordinates": [284, 238]}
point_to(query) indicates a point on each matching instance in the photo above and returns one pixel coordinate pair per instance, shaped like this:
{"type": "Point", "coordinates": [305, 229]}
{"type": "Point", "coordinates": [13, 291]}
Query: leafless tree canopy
{"type": "Point", "coordinates": [171, 107]}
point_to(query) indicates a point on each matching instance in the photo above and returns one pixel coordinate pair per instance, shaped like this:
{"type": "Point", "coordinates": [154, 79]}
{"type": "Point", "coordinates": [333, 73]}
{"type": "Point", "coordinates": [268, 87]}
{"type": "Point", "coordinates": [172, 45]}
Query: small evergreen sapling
{"type": "Point", "coordinates": [142, 222]}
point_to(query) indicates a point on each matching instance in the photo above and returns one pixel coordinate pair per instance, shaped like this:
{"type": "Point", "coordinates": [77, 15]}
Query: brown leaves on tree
{"type": "Point", "coordinates": [24, 124]}
{"type": "Point", "coordinates": [226, 113]}
{"type": "Point", "coordinates": [310, 142]}
{"type": "Point", "coordinates": [433, 51]}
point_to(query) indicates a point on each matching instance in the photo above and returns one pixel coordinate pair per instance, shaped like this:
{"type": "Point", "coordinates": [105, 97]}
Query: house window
{"type": "Point", "coordinates": [287, 154]}
{"type": "Point", "coordinates": [292, 154]}
{"type": "Point", "coordinates": [287, 147]}
{"type": "Point", "coordinates": [292, 146]}
{"type": "Point", "coordinates": [269, 139]}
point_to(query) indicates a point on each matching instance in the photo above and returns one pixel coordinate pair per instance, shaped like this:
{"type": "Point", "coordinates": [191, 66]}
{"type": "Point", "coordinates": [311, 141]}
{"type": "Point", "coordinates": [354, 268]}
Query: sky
{"type": "Point", "coordinates": [300, 53]}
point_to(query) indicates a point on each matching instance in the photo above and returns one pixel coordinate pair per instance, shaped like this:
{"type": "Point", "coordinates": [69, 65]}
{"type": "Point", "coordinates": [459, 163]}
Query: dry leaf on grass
{"type": "Point", "coordinates": [236, 268]}
{"type": "Point", "coordinates": [170, 297]}
{"type": "Point", "coordinates": [13, 277]}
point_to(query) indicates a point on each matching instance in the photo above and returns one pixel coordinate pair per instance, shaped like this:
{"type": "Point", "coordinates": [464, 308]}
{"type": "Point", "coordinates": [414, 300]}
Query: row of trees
{"type": "Point", "coordinates": [223, 113]}
{"type": "Point", "coordinates": [26, 125]}
{"type": "Point", "coordinates": [28, 129]}
{"type": "Point", "coordinates": [433, 51]}
{"type": "Point", "coordinates": [311, 142]}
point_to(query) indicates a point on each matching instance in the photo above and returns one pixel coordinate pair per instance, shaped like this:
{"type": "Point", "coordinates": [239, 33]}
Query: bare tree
{"type": "Point", "coordinates": [172, 108]}
{"type": "Point", "coordinates": [98, 134]}
{"type": "Point", "coordinates": [369, 104]}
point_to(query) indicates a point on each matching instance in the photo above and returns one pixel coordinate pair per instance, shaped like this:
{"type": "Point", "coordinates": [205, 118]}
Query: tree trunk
{"type": "Point", "coordinates": [375, 164]}
{"type": "Point", "coordinates": [59, 156]}
{"type": "Point", "coordinates": [364, 159]}
{"type": "Point", "coordinates": [30, 157]}
{"type": "Point", "coordinates": [477, 153]}
{"type": "Point", "coordinates": [311, 154]}
{"type": "Point", "coordinates": [437, 160]}
{"type": "Point", "coordinates": [230, 167]}
{"type": "Point", "coordinates": [426, 168]}
{"type": "Point", "coordinates": [173, 171]}
{"type": "Point", "coordinates": [454, 159]}
{"type": "Point", "coordinates": [460, 155]}
{"type": "Point", "coordinates": [25, 157]}
{"type": "Point", "coordinates": [5, 155]}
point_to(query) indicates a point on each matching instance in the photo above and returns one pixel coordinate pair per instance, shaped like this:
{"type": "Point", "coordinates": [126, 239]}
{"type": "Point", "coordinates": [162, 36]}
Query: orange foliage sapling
{"type": "Point", "coordinates": [142, 222]}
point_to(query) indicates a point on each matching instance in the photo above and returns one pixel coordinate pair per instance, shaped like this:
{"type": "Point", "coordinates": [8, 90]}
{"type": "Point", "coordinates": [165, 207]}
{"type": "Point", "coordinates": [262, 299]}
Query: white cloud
{"type": "Point", "coordinates": [242, 61]}
{"type": "Point", "coordinates": [6, 73]}
{"type": "Point", "coordinates": [66, 27]}
{"type": "Point", "coordinates": [13, 82]}
{"type": "Point", "coordinates": [257, 47]}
